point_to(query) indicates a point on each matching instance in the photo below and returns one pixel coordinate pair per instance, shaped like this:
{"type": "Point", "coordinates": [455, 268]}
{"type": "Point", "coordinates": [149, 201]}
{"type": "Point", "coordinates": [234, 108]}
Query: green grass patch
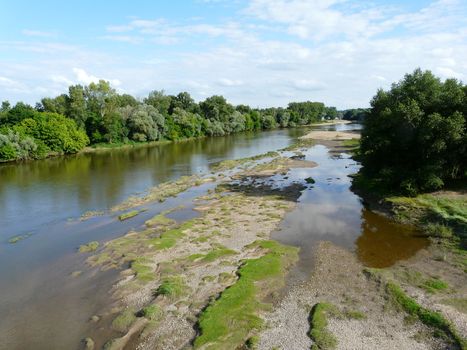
{"type": "Point", "coordinates": [173, 287]}
{"type": "Point", "coordinates": [169, 238]}
{"type": "Point", "coordinates": [428, 317]}
{"type": "Point", "coordinates": [152, 312]}
{"type": "Point", "coordinates": [142, 269]}
{"type": "Point", "coordinates": [229, 321]}
{"type": "Point", "coordinates": [433, 285]}
{"type": "Point", "coordinates": [355, 315]}
{"type": "Point", "coordinates": [322, 338]}
{"type": "Point", "coordinates": [351, 143]}
{"type": "Point", "coordinates": [217, 253]}
{"type": "Point", "coordinates": [124, 320]}
{"type": "Point", "coordinates": [89, 247]}
{"type": "Point", "coordinates": [128, 215]}
{"type": "Point", "coordinates": [160, 220]}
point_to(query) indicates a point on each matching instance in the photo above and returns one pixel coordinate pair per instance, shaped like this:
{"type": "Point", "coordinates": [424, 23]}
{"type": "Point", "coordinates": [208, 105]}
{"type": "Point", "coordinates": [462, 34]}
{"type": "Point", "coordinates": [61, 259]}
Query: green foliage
{"type": "Point", "coordinates": [415, 136]}
{"type": "Point", "coordinates": [322, 338]}
{"type": "Point", "coordinates": [228, 321]}
{"type": "Point", "coordinates": [97, 114]}
{"type": "Point", "coordinates": [40, 135]}
{"type": "Point", "coordinates": [357, 114]}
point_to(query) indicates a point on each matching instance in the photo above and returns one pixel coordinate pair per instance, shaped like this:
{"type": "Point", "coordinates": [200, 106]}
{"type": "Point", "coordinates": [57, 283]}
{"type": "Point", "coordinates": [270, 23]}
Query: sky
{"type": "Point", "coordinates": [256, 52]}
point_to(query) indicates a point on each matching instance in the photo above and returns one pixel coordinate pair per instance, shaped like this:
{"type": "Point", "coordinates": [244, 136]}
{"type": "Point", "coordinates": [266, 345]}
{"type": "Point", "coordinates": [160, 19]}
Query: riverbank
{"type": "Point", "coordinates": [110, 146]}
{"type": "Point", "coordinates": [417, 303]}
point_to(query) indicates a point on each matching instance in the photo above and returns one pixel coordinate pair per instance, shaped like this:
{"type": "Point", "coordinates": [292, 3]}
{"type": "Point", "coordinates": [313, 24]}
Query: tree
{"type": "Point", "coordinates": [77, 105]}
{"type": "Point", "coordinates": [303, 113]}
{"type": "Point", "coordinates": [144, 123]}
{"type": "Point", "coordinates": [415, 134]}
{"type": "Point", "coordinates": [58, 104]}
{"type": "Point", "coordinates": [160, 101]}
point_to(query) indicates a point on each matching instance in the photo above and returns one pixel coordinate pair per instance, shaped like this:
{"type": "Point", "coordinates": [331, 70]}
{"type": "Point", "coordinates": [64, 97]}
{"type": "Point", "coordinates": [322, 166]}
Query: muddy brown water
{"type": "Point", "coordinates": [43, 307]}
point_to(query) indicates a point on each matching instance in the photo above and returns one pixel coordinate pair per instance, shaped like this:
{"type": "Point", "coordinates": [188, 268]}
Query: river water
{"type": "Point", "coordinates": [43, 307]}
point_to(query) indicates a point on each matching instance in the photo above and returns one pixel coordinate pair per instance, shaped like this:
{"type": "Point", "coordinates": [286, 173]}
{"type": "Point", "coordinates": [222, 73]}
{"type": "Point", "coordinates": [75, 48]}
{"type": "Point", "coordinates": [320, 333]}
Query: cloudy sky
{"type": "Point", "coordinates": [258, 52]}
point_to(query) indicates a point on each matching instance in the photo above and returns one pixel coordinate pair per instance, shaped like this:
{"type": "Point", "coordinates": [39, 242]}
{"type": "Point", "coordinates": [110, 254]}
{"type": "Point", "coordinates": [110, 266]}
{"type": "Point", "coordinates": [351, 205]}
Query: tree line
{"type": "Point", "coordinates": [414, 137]}
{"type": "Point", "coordinates": [97, 114]}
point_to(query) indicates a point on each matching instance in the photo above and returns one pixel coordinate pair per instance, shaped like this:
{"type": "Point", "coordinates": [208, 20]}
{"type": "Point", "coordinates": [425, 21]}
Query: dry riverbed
{"type": "Point", "coordinates": [217, 281]}
{"type": "Point", "coordinates": [183, 277]}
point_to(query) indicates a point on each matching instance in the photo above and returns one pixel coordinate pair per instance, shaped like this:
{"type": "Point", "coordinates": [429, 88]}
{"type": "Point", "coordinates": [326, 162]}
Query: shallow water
{"type": "Point", "coordinates": [44, 307]}
{"type": "Point", "coordinates": [329, 211]}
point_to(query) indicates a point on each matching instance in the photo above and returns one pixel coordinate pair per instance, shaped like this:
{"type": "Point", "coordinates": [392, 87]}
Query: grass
{"type": "Point", "coordinates": [169, 238]}
{"type": "Point", "coordinates": [128, 215]}
{"type": "Point", "coordinates": [233, 163]}
{"type": "Point", "coordinates": [160, 220]}
{"type": "Point", "coordinates": [430, 318]}
{"type": "Point", "coordinates": [89, 247]}
{"type": "Point", "coordinates": [163, 191]}
{"type": "Point", "coordinates": [460, 304]}
{"type": "Point", "coordinates": [322, 338]}
{"type": "Point", "coordinates": [142, 269]}
{"type": "Point", "coordinates": [434, 285]}
{"type": "Point", "coordinates": [438, 209]}
{"type": "Point", "coordinates": [124, 320]}
{"type": "Point", "coordinates": [355, 315]}
{"type": "Point", "coordinates": [217, 253]}
{"type": "Point", "coordinates": [229, 321]}
{"type": "Point", "coordinates": [16, 239]}
{"type": "Point", "coordinates": [152, 312]}
{"type": "Point", "coordinates": [172, 287]}
{"type": "Point", "coordinates": [300, 143]}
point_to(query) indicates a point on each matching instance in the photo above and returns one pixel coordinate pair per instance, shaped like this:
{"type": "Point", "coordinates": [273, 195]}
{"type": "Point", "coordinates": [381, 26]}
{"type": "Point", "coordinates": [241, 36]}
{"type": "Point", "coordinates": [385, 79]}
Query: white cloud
{"type": "Point", "coordinates": [38, 33]}
{"type": "Point", "coordinates": [84, 77]}
{"type": "Point", "coordinates": [229, 82]}
{"type": "Point", "coordinates": [271, 53]}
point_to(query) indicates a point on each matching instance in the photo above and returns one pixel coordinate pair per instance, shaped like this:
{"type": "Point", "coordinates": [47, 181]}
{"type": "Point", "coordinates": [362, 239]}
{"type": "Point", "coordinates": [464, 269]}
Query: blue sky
{"type": "Point", "coordinates": [258, 52]}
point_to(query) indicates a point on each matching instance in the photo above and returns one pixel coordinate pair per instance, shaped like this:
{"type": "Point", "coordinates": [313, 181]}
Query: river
{"type": "Point", "coordinates": [43, 307]}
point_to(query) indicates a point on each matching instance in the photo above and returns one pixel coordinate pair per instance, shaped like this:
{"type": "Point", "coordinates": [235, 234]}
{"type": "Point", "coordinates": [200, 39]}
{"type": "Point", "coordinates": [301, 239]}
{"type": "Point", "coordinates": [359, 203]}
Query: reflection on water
{"type": "Point", "coordinates": [40, 192]}
{"type": "Point", "coordinates": [383, 243]}
{"type": "Point", "coordinates": [330, 211]}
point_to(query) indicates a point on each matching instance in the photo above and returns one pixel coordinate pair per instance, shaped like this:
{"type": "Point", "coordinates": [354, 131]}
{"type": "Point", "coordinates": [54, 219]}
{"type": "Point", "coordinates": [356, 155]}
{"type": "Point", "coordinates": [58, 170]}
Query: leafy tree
{"type": "Point", "coordinates": [19, 112]}
{"type": "Point", "coordinates": [144, 123]}
{"type": "Point", "coordinates": [77, 108]}
{"type": "Point", "coordinates": [58, 104]}
{"type": "Point", "coordinates": [160, 101]}
{"type": "Point", "coordinates": [415, 134]}
{"type": "Point", "coordinates": [268, 121]}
